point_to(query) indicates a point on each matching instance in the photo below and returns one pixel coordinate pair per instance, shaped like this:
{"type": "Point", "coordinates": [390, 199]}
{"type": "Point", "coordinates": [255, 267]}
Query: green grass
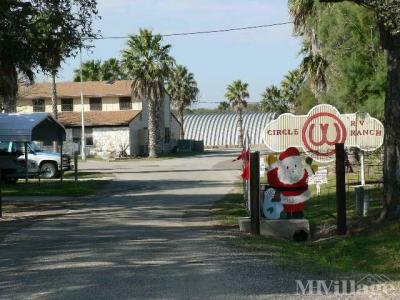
{"type": "Point", "coordinates": [375, 250]}
{"type": "Point", "coordinates": [53, 188]}
{"type": "Point", "coordinates": [86, 175]}
{"type": "Point", "coordinates": [369, 247]}
{"type": "Point", "coordinates": [229, 209]}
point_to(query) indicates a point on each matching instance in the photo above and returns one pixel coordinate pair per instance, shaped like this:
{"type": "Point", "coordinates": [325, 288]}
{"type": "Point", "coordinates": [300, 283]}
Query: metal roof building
{"type": "Point", "coordinates": [221, 130]}
{"type": "Point", "coordinates": [26, 127]}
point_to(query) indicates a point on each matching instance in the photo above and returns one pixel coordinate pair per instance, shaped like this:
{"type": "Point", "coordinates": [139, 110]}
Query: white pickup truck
{"type": "Point", "coordinates": [48, 163]}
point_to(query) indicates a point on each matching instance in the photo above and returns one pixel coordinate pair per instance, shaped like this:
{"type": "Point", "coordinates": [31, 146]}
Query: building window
{"type": "Point", "coordinates": [38, 105]}
{"type": "Point", "coordinates": [67, 104]}
{"type": "Point", "coordinates": [167, 136]}
{"type": "Point", "coordinates": [89, 136]}
{"type": "Point", "coordinates": [125, 103]}
{"type": "Point", "coordinates": [77, 135]}
{"type": "Point", "coordinates": [95, 104]}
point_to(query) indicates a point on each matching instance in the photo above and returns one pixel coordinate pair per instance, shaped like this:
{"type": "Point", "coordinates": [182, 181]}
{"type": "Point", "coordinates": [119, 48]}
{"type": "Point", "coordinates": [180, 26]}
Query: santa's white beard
{"type": "Point", "coordinates": [291, 170]}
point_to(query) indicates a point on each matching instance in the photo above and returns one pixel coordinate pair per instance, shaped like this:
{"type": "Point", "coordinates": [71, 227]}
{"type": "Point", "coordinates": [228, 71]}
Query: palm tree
{"type": "Point", "coordinates": [236, 94]}
{"type": "Point", "coordinates": [91, 71]}
{"type": "Point", "coordinates": [149, 64]}
{"type": "Point", "coordinates": [273, 101]}
{"type": "Point", "coordinates": [183, 90]}
{"type": "Point", "coordinates": [291, 86]}
{"type": "Point", "coordinates": [223, 106]}
{"type": "Point", "coordinates": [112, 69]}
{"type": "Point", "coordinates": [305, 14]}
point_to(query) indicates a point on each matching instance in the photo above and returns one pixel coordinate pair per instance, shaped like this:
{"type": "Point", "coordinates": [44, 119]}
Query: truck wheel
{"type": "Point", "coordinates": [48, 170]}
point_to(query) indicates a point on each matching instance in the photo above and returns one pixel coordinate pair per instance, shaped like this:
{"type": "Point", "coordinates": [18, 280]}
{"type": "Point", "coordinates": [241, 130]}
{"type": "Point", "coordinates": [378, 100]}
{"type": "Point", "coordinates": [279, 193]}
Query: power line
{"type": "Point", "coordinates": [200, 32]}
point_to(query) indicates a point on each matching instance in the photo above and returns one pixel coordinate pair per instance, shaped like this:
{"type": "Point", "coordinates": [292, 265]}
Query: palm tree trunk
{"type": "Point", "coordinates": [392, 133]}
{"type": "Point", "coordinates": [54, 94]}
{"type": "Point", "coordinates": [153, 128]}
{"type": "Point", "coordinates": [182, 130]}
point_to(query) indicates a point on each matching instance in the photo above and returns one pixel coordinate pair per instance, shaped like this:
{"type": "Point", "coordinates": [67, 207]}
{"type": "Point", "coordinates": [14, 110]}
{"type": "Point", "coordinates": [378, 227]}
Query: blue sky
{"type": "Point", "coordinates": [260, 57]}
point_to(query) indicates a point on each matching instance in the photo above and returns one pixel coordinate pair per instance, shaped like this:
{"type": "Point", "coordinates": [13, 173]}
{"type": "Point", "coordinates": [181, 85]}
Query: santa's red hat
{"type": "Point", "coordinates": [292, 151]}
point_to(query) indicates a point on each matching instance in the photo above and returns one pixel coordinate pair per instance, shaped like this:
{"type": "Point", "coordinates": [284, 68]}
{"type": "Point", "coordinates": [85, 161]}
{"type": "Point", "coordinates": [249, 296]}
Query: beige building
{"type": "Point", "coordinates": [114, 121]}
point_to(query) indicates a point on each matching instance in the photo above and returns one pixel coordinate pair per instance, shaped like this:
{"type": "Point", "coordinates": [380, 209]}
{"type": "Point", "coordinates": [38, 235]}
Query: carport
{"type": "Point", "coordinates": [28, 127]}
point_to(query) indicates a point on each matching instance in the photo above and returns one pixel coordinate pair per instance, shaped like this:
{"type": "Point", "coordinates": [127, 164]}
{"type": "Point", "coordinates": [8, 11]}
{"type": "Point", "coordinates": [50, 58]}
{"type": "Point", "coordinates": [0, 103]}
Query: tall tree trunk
{"type": "Point", "coordinates": [8, 85]}
{"type": "Point", "coordinates": [153, 128]}
{"type": "Point", "coordinates": [182, 130]}
{"type": "Point", "coordinates": [240, 125]}
{"type": "Point", "coordinates": [392, 131]}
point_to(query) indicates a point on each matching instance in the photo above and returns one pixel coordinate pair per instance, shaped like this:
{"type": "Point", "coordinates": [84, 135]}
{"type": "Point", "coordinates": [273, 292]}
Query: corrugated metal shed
{"type": "Point", "coordinates": [221, 130]}
{"type": "Point", "coordinates": [21, 127]}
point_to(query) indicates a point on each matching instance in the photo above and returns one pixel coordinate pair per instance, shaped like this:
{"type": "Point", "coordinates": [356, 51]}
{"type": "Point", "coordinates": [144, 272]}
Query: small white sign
{"type": "Point", "coordinates": [262, 167]}
{"type": "Point", "coordinates": [320, 177]}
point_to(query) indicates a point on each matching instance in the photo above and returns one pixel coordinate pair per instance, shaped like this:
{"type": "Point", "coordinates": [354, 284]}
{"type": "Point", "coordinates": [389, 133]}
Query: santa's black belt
{"type": "Point", "coordinates": [287, 189]}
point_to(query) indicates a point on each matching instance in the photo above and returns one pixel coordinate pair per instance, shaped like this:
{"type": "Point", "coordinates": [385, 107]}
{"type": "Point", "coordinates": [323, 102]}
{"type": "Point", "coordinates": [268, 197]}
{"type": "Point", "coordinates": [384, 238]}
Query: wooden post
{"type": "Point", "coordinates": [26, 161]}
{"type": "Point", "coordinates": [340, 189]}
{"type": "Point", "coordinates": [61, 162]}
{"type": "Point", "coordinates": [255, 192]}
{"type": "Point", "coordinates": [76, 165]}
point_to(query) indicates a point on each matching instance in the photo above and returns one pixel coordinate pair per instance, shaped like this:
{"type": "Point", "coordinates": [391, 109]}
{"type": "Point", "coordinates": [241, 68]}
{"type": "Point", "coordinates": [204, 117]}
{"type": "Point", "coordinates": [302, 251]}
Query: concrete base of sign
{"type": "Point", "coordinates": [244, 224]}
{"type": "Point", "coordinates": [293, 229]}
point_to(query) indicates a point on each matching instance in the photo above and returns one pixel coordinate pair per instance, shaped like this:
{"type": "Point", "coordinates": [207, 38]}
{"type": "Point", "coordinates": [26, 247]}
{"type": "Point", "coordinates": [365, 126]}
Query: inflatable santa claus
{"type": "Point", "coordinates": [287, 191]}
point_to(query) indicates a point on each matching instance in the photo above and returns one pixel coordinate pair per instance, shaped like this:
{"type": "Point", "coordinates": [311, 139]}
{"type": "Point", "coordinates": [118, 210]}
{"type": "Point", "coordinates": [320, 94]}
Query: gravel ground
{"type": "Point", "coordinates": [147, 236]}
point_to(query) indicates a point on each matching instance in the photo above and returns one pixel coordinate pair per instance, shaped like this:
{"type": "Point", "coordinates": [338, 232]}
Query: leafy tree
{"type": "Point", "coordinates": [183, 90]}
{"type": "Point", "coordinates": [149, 64]}
{"type": "Point", "coordinates": [39, 35]}
{"type": "Point", "coordinates": [272, 100]}
{"type": "Point", "coordinates": [223, 106]}
{"type": "Point", "coordinates": [388, 22]}
{"type": "Point", "coordinates": [305, 99]}
{"type": "Point", "coordinates": [357, 70]}
{"type": "Point", "coordinates": [237, 93]}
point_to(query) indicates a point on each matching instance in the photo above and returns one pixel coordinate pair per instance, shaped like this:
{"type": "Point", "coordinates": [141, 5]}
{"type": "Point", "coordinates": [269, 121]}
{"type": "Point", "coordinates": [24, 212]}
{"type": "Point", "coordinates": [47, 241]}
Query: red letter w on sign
{"type": "Point", "coordinates": [324, 135]}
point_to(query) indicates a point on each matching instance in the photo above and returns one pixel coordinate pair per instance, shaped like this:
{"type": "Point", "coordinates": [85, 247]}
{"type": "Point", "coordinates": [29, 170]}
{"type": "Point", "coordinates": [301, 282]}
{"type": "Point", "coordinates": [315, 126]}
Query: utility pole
{"type": "Point", "coordinates": [83, 155]}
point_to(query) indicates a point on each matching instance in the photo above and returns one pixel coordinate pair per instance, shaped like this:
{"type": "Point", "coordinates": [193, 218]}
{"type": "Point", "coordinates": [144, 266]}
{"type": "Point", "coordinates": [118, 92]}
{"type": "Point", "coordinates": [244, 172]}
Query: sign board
{"type": "Point", "coordinates": [322, 128]}
{"type": "Point", "coordinates": [320, 177]}
{"type": "Point", "coordinates": [262, 167]}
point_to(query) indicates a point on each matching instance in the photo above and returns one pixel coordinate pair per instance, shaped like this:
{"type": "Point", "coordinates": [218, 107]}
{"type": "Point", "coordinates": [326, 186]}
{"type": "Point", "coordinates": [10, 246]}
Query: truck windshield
{"type": "Point", "coordinates": [35, 147]}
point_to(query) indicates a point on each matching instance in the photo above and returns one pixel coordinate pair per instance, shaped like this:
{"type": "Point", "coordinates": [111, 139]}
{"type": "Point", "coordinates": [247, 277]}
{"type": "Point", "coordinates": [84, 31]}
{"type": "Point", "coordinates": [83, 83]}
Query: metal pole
{"type": "Point", "coordinates": [83, 155]}
{"type": "Point", "coordinates": [255, 192]}
{"type": "Point", "coordinates": [26, 161]}
{"type": "Point", "coordinates": [340, 189]}
{"type": "Point", "coordinates": [61, 162]}
{"type": "Point", "coordinates": [362, 171]}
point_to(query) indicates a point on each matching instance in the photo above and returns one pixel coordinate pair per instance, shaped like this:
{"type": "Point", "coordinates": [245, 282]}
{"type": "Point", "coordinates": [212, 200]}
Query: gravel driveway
{"type": "Point", "coordinates": [147, 236]}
